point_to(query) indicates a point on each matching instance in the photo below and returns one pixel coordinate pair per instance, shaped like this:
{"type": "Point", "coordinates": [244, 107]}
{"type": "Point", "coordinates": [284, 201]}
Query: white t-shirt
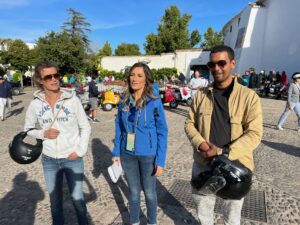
{"type": "Point", "coordinates": [197, 83]}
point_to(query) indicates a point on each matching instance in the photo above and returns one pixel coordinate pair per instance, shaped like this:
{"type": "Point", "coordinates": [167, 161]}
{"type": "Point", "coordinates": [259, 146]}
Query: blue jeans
{"type": "Point", "coordinates": [54, 170]}
{"type": "Point", "coordinates": [139, 175]}
{"type": "Point", "coordinates": [296, 109]}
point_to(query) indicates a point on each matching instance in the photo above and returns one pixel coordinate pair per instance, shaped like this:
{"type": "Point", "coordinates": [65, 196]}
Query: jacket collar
{"type": "Point", "coordinates": [236, 85]}
{"type": "Point", "coordinates": [66, 94]}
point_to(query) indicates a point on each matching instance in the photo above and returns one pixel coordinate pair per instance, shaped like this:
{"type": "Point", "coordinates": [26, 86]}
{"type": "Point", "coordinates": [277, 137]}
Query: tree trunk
{"type": "Point", "coordinates": [21, 80]}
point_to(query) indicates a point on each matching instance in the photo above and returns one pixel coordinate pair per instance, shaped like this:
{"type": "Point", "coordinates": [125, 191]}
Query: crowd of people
{"type": "Point", "coordinates": [225, 120]}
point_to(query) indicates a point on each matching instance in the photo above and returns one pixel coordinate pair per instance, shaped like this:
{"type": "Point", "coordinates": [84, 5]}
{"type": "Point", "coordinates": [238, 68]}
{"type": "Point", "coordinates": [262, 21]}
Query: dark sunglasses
{"type": "Point", "coordinates": [132, 112]}
{"type": "Point", "coordinates": [220, 63]}
{"type": "Point", "coordinates": [56, 76]}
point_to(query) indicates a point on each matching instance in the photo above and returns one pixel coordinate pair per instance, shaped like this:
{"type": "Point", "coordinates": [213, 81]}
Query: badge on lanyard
{"type": "Point", "coordinates": [130, 142]}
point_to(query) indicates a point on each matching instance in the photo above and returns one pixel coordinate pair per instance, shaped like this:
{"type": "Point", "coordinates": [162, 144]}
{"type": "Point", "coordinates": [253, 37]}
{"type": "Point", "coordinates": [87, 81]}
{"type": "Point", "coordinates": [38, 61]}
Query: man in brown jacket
{"type": "Point", "coordinates": [225, 118]}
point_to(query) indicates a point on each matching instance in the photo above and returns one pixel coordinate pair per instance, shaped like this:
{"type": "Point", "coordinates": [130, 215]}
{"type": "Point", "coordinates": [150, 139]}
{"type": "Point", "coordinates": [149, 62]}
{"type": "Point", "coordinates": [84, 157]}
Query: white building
{"type": "Point", "coordinates": [266, 36]}
{"type": "Point", "coordinates": [185, 61]}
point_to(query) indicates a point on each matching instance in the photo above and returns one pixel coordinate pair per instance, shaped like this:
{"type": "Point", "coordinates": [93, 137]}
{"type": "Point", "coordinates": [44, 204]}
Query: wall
{"type": "Point", "coordinates": [182, 60]}
{"type": "Point", "coordinates": [118, 63]}
{"type": "Point", "coordinates": [272, 37]}
{"type": "Point", "coordinates": [282, 37]}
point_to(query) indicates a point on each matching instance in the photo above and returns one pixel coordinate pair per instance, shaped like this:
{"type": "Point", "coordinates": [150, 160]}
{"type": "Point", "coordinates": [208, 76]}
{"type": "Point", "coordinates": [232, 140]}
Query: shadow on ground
{"type": "Point", "coordinates": [19, 205]}
{"type": "Point", "coordinates": [179, 111]}
{"type": "Point", "coordinates": [288, 149]}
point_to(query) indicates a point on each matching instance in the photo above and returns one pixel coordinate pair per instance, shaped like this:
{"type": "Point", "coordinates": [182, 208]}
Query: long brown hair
{"type": "Point", "coordinates": [148, 90]}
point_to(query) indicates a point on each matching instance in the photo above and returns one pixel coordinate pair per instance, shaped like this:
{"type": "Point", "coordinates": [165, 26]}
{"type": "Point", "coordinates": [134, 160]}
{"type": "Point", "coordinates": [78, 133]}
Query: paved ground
{"type": "Point", "coordinates": [24, 199]}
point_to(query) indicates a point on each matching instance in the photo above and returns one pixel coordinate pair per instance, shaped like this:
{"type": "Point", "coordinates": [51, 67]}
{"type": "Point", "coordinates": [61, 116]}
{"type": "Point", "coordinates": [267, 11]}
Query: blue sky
{"type": "Point", "coordinates": [114, 21]}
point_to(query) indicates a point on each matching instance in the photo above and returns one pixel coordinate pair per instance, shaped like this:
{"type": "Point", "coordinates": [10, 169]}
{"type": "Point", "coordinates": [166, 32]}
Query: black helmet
{"type": "Point", "coordinates": [227, 179]}
{"type": "Point", "coordinates": [24, 153]}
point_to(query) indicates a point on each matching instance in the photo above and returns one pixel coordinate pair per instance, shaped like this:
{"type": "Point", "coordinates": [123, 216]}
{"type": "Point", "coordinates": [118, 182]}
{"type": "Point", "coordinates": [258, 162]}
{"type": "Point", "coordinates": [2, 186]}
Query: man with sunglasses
{"type": "Point", "coordinates": [225, 118]}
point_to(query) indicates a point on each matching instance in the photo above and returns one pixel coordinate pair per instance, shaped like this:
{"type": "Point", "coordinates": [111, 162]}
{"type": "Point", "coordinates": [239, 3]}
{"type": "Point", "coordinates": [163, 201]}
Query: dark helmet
{"type": "Point", "coordinates": [227, 179]}
{"type": "Point", "coordinates": [22, 152]}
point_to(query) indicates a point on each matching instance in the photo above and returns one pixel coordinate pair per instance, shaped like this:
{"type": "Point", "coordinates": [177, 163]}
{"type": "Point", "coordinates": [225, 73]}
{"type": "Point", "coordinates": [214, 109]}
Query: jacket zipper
{"type": "Point", "coordinates": [150, 139]}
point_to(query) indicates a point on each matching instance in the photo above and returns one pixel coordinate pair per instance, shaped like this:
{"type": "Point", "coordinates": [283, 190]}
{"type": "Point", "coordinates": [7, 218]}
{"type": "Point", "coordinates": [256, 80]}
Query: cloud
{"type": "Point", "coordinates": [6, 4]}
{"type": "Point", "coordinates": [13, 3]}
{"type": "Point", "coordinates": [105, 26]}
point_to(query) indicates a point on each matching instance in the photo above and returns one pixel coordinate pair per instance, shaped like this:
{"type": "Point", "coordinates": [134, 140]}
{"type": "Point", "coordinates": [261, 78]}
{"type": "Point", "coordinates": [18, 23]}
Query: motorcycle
{"type": "Point", "coordinates": [275, 89]}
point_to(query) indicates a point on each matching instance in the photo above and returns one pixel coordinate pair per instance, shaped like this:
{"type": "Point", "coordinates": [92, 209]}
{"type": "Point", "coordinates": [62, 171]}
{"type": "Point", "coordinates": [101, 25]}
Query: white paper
{"type": "Point", "coordinates": [115, 171]}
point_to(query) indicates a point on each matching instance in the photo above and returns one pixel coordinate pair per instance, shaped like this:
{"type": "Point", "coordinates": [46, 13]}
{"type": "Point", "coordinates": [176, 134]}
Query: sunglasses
{"type": "Point", "coordinates": [132, 112]}
{"type": "Point", "coordinates": [220, 63]}
{"type": "Point", "coordinates": [49, 77]}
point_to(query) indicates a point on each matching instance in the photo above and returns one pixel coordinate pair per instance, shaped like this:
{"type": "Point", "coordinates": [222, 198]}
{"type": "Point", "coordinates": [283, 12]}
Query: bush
{"type": "Point", "coordinates": [107, 73]}
{"type": "Point", "coordinates": [164, 72]}
{"type": "Point", "coordinates": [16, 77]}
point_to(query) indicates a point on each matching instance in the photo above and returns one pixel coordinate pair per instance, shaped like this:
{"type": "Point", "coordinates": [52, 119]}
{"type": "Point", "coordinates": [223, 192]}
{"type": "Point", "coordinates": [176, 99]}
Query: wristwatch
{"type": "Point", "coordinates": [219, 151]}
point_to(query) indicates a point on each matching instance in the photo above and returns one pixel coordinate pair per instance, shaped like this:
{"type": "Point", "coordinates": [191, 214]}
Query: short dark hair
{"type": "Point", "coordinates": [39, 67]}
{"type": "Point", "coordinates": [223, 48]}
{"type": "Point", "coordinates": [94, 77]}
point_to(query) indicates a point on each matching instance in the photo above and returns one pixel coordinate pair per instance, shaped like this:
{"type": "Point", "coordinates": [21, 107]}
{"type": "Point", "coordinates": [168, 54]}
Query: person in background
{"type": "Point", "coordinates": [141, 138]}
{"type": "Point", "coordinates": [239, 79]}
{"type": "Point", "coordinates": [10, 94]}
{"type": "Point", "coordinates": [245, 78]}
{"type": "Point", "coordinates": [253, 79]}
{"type": "Point", "coordinates": [72, 79]}
{"type": "Point", "coordinates": [197, 83]}
{"type": "Point", "coordinates": [65, 132]}
{"type": "Point", "coordinates": [278, 77]}
{"type": "Point", "coordinates": [225, 119]}
{"type": "Point", "coordinates": [292, 103]}
{"type": "Point", "coordinates": [93, 98]}
{"type": "Point", "coordinates": [284, 79]}
{"type": "Point", "coordinates": [5, 94]}
{"type": "Point", "coordinates": [181, 78]}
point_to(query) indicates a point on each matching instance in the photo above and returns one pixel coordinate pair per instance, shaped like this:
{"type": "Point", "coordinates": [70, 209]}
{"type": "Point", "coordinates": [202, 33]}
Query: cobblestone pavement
{"type": "Point", "coordinates": [24, 199]}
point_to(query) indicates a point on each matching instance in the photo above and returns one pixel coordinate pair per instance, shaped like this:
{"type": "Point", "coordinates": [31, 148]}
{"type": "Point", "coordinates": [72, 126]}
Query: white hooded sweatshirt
{"type": "Point", "coordinates": [71, 122]}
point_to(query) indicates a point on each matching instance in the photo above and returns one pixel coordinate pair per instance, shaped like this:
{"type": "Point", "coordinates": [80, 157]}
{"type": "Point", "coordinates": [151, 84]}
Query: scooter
{"type": "Point", "coordinates": [168, 96]}
{"type": "Point", "coordinates": [183, 94]}
{"type": "Point", "coordinates": [110, 100]}
{"type": "Point", "coordinates": [83, 95]}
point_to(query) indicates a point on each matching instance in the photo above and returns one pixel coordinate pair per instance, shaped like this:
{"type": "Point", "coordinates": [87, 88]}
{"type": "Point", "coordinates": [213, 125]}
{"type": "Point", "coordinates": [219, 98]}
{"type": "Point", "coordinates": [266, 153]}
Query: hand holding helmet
{"type": "Point", "coordinates": [226, 179]}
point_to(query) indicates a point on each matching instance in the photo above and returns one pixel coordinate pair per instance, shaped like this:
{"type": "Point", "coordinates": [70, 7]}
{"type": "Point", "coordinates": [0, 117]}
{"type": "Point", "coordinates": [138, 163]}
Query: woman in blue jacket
{"type": "Point", "coordinates": [141, 140]}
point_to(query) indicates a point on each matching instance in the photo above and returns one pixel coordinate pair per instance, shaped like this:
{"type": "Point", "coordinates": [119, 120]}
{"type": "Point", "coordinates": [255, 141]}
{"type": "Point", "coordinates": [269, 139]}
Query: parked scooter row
{"type": "Point", "coordinates": [176, 95]}
{"type": "Point", "coordinates": [273, 89]}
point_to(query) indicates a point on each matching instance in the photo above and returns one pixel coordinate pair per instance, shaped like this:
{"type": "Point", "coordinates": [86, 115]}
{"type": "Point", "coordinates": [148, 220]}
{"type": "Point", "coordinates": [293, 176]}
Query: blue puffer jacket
{"type": "Point", "coordinates": [151, 134]}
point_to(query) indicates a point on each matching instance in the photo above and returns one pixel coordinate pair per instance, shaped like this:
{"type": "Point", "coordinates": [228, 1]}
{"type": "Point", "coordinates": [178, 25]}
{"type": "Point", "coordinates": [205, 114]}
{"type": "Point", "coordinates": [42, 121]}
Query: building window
{"type": "Point", "coordinates": [230, 28]}
{"type": "Point", "coordinates": [239, 21]}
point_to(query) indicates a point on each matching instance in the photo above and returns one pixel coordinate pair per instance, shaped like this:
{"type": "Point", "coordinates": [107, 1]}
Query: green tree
{"type": "Point", "coordinates": [18, 56]}
{"type": "Point", "coordinates": [77, 26]}
{"type": "Point", "coordinates": [212, 38]}
{"type": "Point", "coordinates": [127, 49]}
{"type": "Point", "coordinates": [105, 50]}
{"type": "Point", "coordinates": [172, 33]}
{"type": "Point", "coordinates": [195, 38]}
{"type": "Point", "coordinates": [65, 51]}
{"type": "Point", "coordinates": [91, 63]}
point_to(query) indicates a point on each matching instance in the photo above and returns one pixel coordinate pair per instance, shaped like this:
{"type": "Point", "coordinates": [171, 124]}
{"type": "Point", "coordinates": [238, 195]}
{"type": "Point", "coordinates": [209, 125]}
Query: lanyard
{"type": "Point", "coordinates": [137, 119]}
